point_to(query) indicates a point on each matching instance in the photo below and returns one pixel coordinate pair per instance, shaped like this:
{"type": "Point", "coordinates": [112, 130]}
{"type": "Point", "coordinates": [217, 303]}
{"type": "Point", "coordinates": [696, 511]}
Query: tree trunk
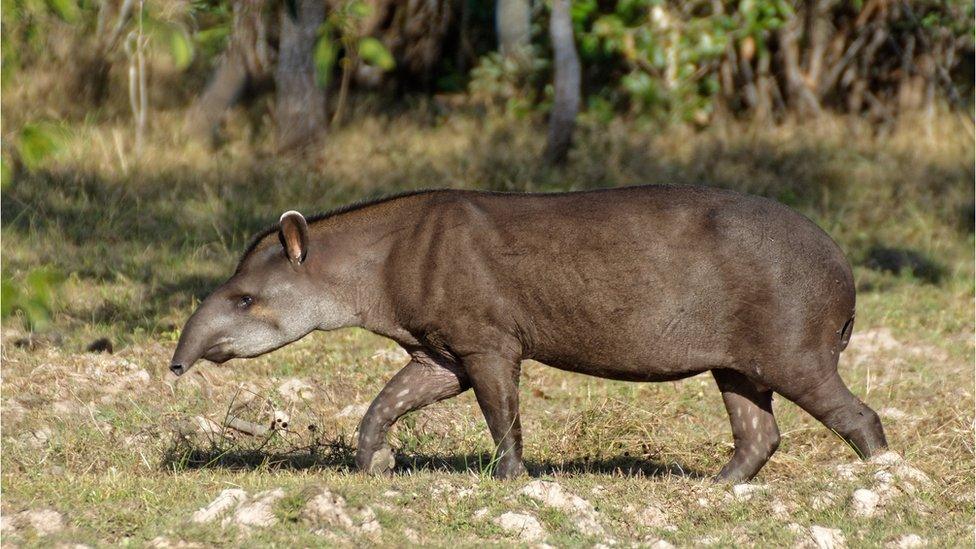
{"type": "Point", "coordinates": [244, 67]}
{"type": "Point", "coordinates": [513, 25]}
{"type": "Point", "coordinates": [566, 63]}
{"type": "Point", "coordinates": [299, 102]}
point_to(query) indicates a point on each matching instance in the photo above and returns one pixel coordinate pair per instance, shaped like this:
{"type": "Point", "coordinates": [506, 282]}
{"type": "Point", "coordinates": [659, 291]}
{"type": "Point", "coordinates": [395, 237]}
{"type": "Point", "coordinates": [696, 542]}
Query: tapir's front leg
{"type": "Point", "coordinates": [496, 380]}
{"type": "Point", "coordinates": [421, 382]}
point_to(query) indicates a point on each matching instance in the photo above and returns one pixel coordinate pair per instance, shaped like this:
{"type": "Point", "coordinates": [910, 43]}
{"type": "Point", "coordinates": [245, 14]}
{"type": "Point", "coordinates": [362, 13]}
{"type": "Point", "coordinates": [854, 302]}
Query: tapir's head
{"type": "Point", "coordinates": [269, 302]}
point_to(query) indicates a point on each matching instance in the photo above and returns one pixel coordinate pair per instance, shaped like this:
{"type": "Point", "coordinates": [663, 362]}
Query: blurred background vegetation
{"type": "Point", "coordinates": [141, 137]}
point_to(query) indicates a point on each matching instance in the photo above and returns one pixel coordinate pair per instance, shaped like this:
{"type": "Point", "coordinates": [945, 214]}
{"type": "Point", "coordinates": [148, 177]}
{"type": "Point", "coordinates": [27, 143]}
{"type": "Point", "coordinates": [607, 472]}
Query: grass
{"type": "Point", "coordinates": [114, 450]}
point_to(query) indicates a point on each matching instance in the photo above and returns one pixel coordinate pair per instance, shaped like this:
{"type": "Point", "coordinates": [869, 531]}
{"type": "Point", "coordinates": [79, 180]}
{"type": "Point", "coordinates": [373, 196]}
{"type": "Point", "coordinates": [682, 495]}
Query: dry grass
{"type": "Point", "coordinates": [114, 446]}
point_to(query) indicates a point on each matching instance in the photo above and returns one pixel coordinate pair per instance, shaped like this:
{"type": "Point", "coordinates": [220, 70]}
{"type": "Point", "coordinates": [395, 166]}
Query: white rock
{"type": "Point", "coordinates": [257, 511]}
{"type": "Point", "coordinates": [207, 427]}
{"type": "Point", "coordinates": [296, 390]}
{"type": "Point", "coordinates": [653, 516]}
{"type": "Point", "coordinates": [827, 538]}
{"type": "Point", "coordinates": [227, 500]}
{"type": "Point", "coordinates": [887, 459]}
{"type": "Point", "coordinates": [865, 502]}
{"type": "Point", "coordinates": [160, 542]}
{"type": "Point", "coordinates": [895, 414]}
{"type": "Point", "coordinates": [411, 535]}
{"type": "Point", "coordinates": [823, 500]}
{"type": "Point", "coordinates": [553, 495]}
{"type": "Point", "coordinates": [329, 508]}
{"type": "Point", "coordinates": [526, 527]}
{"type": "Point", "coordinates": [13, 409]}
{"type": "Point", "coordinates": [38, 438]}
{"type": "Point", "coordinates": [44, 521]}
{"type": "Point", "coordinates": [745, 492]}
{"type": "Point", "coordinates": [907, 472]}
{"type": "Point", "coordinates": [908, 541]}
{"type": "Point", "coordinates": [659, 544]}
{"type": "Point", "coordinates": [848, 471]}
{"type": "Point", "coordinates": [281, 419]}
{"type": "Point", "coordinates": [480, 513]}
{"type": "Point", "coordinates": [353, 410]}
{"type": "Point", "coordinates": [796, 529]}
{"type": "Point", "coordinates": [370, 525]}
{"type": "Point", "coordinates": [397, 354]}
{"type": "Point", "coordinates": [779, 510]}
{"type": "Point", "coordinates": [7, 525]}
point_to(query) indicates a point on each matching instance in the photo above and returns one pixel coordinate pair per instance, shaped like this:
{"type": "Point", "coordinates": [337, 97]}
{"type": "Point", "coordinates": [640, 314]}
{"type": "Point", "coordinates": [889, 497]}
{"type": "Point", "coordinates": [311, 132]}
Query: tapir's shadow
{"type": "Point", "coordinates": [340, 456]}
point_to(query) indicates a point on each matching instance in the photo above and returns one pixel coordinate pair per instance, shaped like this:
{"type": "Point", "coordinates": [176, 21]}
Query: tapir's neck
{"type": "Point", "coordinates": [365, 243]}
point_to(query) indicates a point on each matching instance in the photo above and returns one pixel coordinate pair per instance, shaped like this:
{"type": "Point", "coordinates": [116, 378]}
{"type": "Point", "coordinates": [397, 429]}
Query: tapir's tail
{"type": "Point", "coordinates": [845, 334]}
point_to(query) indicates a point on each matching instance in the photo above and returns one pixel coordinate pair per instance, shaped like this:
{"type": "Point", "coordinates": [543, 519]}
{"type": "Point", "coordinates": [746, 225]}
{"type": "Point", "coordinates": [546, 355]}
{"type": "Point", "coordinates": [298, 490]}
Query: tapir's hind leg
{"type": "Point", "coordinates": [419, 383]}
{"type": "Point", "coordinates": [830, 401]}
{"type": "Point", "coordinates": [754, 429]}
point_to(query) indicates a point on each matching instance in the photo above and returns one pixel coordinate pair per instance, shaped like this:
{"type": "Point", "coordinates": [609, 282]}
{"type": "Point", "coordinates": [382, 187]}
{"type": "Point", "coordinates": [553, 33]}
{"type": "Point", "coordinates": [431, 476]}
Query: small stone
{"type": "Point", "coordinates": [207, 427]}
{"type": "Point", "coordinates": [480, 513]}
{"type": "Point", "coordinates": [827, 538]}
{"type": "Point", "coordinates": [552, 494]}
{"type": "Point", "coordinates": [39, 438]}
{"type": "Point", "coordinates": [888, 458]}
{"type": "Point", "coordinates": [525, 527]}
{"type": "Point", "coordinates": [823, 500]}
{"type": "Point", "coordinates": [370, 525]}
{"type": "Point", "coordinates": [44, 521]}
{"type": "Point", "coordinates": [651, 516]}
{"type": "Point", "coordinates": [296, 390]}
{"type": "Point", "coordinates": [779, 510]}
{"type": "Point", "coordinates": [352, 410]}
{"type": "Point", "coordinates": [895, 414]}
{"type": "Point", "coordinates": [227, 500]}
{"type": "Point", "coordinates": [281, 420]}
{"type": "Point", "coordinates": [659, 544]}
{"type": "Point", "coordinates": [411, 535]}
{"type": "Point", "coordinates": [160, 542]}
{"type": "Point", "coordinates": [258, 511]}
{"type": "Point", "coordinates": [744, 492]}
{"type": "Point", "coordinates": [865, 502]}
{"type": "Point", "coordinates": [908, 541]}
{"type": "Point", "coordinates": [325, 507]}
{"type": "Point", "coordinates": [848, 471]}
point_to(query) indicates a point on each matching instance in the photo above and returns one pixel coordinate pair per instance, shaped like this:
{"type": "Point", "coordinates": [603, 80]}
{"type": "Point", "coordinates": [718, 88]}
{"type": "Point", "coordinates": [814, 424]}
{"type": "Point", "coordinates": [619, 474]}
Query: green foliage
{"type": "Point", "coordinates": [669, 50]}
{"type": "Point", "coordinates": [324, 55]}
{"type": "Point", "coordinates": [341, 31]}
{"type": "Point", "coordinates": [374, 53]}
{"type": "Point", "coordinates": [175, 39]}
{"type": "Point", "coordinates": [35, 142]}
{"type": "Point", "coordinates": [33, 297]}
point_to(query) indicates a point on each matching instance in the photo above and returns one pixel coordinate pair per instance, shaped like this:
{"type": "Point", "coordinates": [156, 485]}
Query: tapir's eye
{"type": "Point", "coordinates": [245, 301]}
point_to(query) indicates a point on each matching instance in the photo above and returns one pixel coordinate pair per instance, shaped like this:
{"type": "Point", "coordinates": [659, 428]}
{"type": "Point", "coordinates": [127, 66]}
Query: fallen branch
{"type": "Point", "coordinates": [247, 427]}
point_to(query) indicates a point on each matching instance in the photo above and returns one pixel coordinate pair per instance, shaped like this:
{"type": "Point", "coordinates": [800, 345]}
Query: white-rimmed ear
{"type": "Point", "coordinates": [293, 233]}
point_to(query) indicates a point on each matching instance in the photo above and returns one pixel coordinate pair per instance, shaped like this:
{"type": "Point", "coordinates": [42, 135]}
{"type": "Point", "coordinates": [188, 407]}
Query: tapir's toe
{"type": "Point", "coordinates": [380, 463]}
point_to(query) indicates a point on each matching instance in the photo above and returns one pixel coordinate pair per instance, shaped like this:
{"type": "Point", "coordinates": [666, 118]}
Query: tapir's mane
{"type": "Point", "coordinates": [365, 203]}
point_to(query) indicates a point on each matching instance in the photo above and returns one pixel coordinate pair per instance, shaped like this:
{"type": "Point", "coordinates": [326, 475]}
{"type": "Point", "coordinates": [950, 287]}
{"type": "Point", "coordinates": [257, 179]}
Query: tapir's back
{"type": "Point", "coordinates": [636, 283]}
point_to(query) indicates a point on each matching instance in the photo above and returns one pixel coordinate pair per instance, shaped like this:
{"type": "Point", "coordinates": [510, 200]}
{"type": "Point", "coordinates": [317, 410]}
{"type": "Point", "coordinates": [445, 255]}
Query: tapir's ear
{"type": "Point", "coordinates": [293, 233]}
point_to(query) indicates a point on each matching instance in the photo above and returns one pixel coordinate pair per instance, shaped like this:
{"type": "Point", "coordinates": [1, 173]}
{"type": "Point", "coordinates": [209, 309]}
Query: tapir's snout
{"type": "Point", "coordinates": [177, 368]}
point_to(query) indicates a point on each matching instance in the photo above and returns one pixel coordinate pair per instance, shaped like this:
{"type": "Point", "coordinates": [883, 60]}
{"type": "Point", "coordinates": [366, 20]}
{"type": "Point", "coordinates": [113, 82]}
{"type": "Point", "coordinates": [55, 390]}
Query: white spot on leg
{"type": "Point", "coordinates": [403, 393]}
{"type": "Point", "coordinates": [755, 422]}
{"type": "Point", "coordinates": [399, 404]}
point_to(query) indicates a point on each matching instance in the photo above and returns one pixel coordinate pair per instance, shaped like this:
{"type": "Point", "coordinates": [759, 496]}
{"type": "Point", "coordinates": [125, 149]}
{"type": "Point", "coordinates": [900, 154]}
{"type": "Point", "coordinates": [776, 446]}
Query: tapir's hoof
{"type": "Point", "coordinates": [510, 471]}
{"type": "Point", "coordinates": [380, 463]}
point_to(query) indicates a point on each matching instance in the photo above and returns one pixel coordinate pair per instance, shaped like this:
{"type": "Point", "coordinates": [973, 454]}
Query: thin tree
{"type": "Point", "coordinates": [566, 79]}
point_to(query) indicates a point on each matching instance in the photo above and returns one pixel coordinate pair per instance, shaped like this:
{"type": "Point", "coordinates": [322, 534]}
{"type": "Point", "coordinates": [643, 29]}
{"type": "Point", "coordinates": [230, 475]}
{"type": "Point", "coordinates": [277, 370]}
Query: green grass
{"type": "Point", "coordinates": [140, 243]}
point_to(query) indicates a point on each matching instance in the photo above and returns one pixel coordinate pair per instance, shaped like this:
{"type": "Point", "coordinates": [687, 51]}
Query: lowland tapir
{"type": "Point", "coordinates": [649, 283]}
